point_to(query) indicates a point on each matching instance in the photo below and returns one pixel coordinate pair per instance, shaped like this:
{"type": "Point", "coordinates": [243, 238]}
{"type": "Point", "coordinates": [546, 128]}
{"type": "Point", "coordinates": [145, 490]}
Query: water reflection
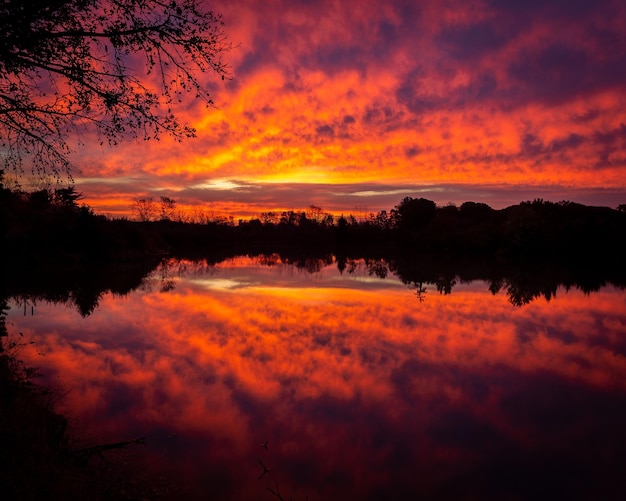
{"type": "Point", "coordinates": [360, 390]}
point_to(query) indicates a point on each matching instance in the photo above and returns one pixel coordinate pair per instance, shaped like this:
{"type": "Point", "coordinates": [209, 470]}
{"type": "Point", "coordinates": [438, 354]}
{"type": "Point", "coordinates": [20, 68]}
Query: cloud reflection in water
{"type": "Point", "coordinates": [361, 390]}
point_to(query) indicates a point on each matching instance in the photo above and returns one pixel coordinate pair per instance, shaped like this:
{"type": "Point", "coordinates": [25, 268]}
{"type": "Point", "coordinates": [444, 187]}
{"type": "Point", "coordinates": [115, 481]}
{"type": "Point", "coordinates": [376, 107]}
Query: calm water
{"type": "Point", "coordinates": [362, 387]}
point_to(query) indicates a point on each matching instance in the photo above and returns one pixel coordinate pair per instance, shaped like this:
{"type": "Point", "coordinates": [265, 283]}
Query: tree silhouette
{"type": "Point", "coordinates": [67, 197]}
{"type": "Point", "coordinates": [167, 208]}
{"type": "Point", "coordinates": [414, 213]}
{"type": "Point", "coordinates": [117, 65]}
{"type": "Point", "coordinates": [145, 209]}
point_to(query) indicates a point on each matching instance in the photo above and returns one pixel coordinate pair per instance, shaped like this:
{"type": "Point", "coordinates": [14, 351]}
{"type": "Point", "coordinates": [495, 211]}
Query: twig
{"type": "Point", "coordinates": [265, 470]}
{"type": "Point", "coordinates": [86, 453]}
{"type": "Point", "coordinates": [276, 492]}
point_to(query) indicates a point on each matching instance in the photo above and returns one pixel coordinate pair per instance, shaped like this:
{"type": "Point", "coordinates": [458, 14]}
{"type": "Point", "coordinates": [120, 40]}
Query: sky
{"type": "Point", "coordinates": [354, 105]}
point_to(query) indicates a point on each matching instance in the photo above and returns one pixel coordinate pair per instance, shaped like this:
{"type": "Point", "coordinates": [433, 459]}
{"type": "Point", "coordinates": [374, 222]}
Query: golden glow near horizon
{"type": "Point", "coordinates": [517, 101]}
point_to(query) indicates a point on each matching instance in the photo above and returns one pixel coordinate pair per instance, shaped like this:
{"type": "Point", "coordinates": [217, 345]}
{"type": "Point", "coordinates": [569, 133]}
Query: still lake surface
{"type": "Point", "coordinates": [362, 387]}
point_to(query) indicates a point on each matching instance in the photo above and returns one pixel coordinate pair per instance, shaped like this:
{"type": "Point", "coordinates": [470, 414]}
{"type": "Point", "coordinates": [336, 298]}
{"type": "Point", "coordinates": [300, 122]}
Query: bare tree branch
{"type": "Point", "coordinates": [117, 66]}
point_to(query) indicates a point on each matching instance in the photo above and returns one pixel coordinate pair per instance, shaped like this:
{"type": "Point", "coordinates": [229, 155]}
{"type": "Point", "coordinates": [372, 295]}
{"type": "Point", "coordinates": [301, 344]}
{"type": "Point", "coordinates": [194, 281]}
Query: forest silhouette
{"type": "Point", "coordinates": [50, 226]}
{"type": "Point", "coordinates": [56, 250]}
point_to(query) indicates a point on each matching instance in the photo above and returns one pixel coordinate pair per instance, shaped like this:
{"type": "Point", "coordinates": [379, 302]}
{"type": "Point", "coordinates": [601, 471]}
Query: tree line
{"type": "Point", "coordinates": [54, 221]}
{"type": "Point", "coordinates": [530, 229]}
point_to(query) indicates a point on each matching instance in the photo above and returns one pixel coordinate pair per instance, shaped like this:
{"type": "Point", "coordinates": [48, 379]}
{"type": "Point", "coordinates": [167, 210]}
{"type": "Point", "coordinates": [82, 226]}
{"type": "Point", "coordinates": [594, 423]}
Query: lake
{"type": "Point", "coordinates": [253, 378]}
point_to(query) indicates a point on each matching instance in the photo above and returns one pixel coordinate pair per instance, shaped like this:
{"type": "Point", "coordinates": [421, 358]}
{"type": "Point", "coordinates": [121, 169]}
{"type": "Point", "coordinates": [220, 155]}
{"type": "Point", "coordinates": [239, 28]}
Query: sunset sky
{"type": "Point", "coordinates": [354, 105]}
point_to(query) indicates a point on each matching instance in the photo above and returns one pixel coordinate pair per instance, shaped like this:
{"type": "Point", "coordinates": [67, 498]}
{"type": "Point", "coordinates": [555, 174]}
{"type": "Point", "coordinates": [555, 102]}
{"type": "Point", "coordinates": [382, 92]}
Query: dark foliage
{"type": "Point", "coordinates": [49, 226]}
{"type": "Point", "coordinates": [53, 249]}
